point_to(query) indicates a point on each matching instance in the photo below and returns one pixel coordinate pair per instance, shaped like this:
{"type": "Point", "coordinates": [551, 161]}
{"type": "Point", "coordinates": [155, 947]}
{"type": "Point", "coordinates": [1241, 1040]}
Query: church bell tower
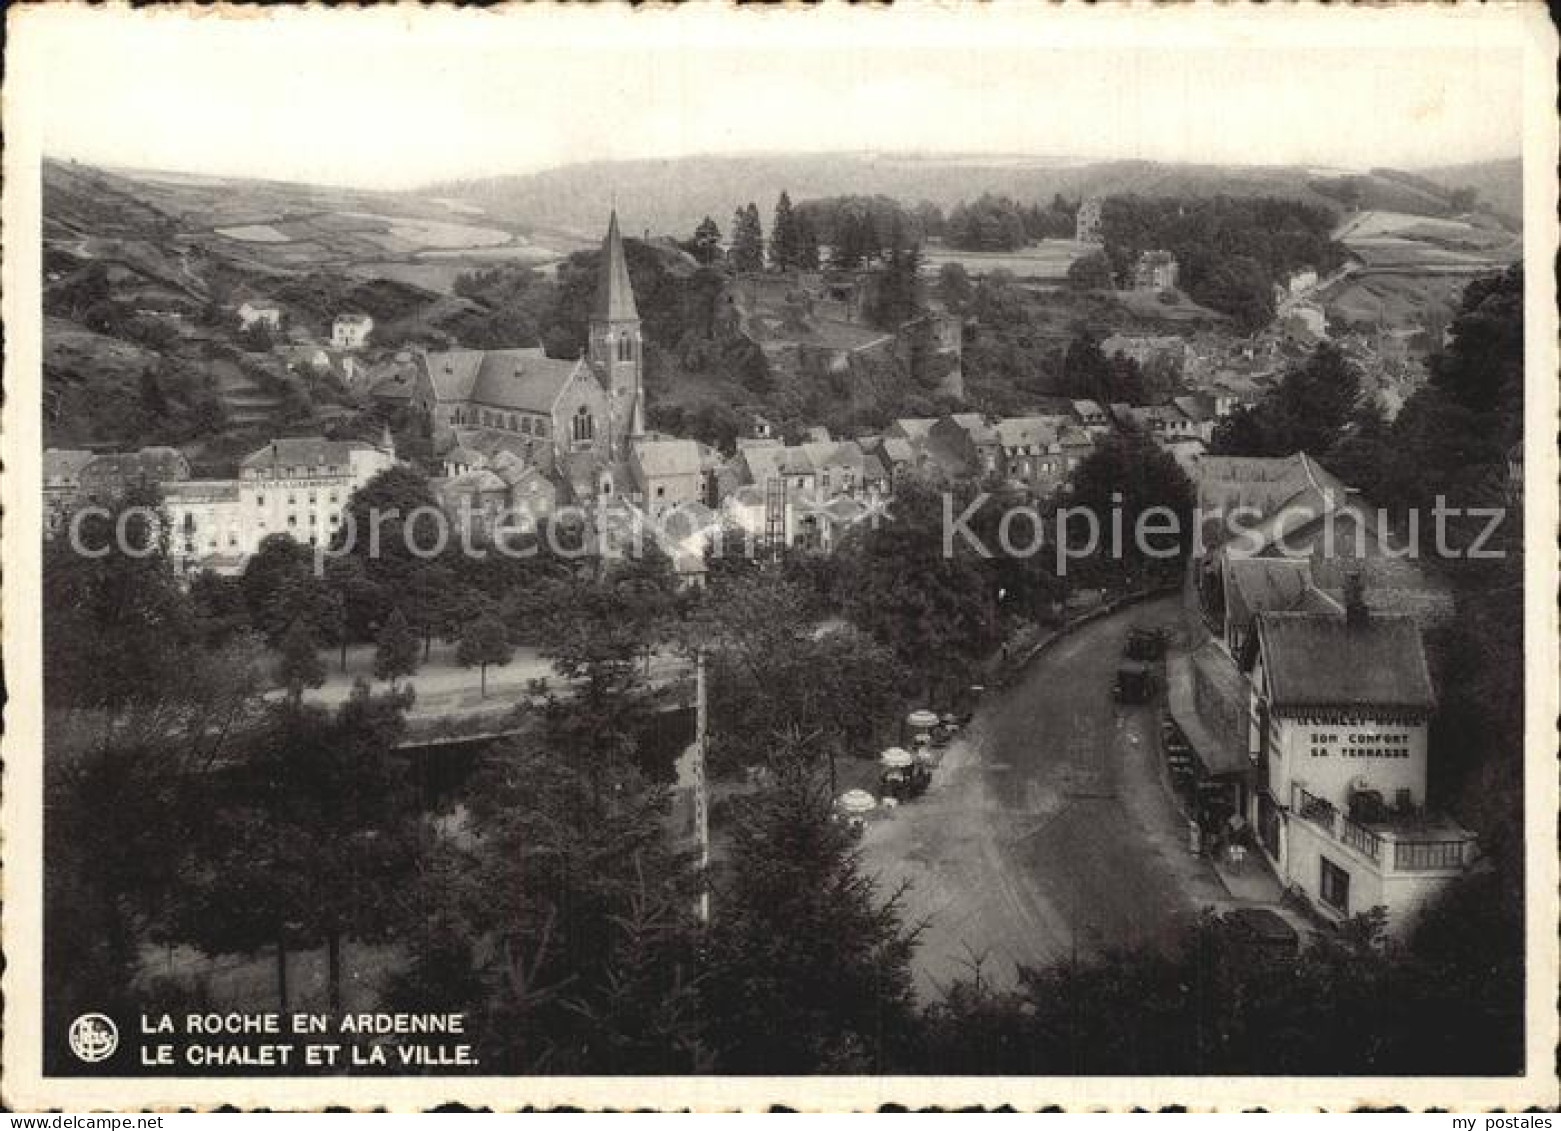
{"type": "Point", "coordinates": [616, 350]}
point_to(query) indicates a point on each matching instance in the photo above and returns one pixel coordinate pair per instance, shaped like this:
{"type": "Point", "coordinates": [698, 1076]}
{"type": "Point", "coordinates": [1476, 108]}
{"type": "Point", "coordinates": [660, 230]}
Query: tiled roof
{"type": "Point", "coordinates": [202, 490]}
{"type": "Point", "coordinates": [1322, 661]}
{"type": "Point", "coordinates": [833, 453]}
{"type": "Point", "coordinates": [976, 426]}
{"type": "Point", "coordinates": [157, 463]}
{"type": "Point", "coordinates": [524, 379]}
{"type": "Point", "coordinates": [1260, 482]}
{"type": "Point", "coordinates": [915, 427]}
{"type": "Point", "coordinates": [65, 463]}
{"type": "Point", "coordinates": [305, 451]}
{"type": "Point", "coordinates": [1259, 585]}
{"type": "Point", "coordinates": [1028, 431]}
{"type": "Point", "coordinates": [668, 457]}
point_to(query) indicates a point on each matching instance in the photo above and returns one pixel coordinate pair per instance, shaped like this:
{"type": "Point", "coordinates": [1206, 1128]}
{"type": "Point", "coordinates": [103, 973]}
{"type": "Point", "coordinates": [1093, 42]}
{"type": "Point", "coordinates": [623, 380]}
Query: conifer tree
{"type": "Point", "coordinates": [299, 665]}
{"type": "Point", "coordinates": [707, 241]}
{"type": "Point", "coordinates": [807, 243]}
{"type": "Point", "coordinates": [785, 246]}
{"type": "Point", "coordinates": [396, 652]}
{"type": "Point", "coordinates": [747, 252]}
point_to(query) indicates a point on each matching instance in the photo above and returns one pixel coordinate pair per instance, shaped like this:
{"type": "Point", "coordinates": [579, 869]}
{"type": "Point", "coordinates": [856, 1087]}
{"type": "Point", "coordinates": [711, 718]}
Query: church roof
{"type": "Point", "coordinates": [614, 292]}
{"type": "Point", "coordinates": [524, 379]}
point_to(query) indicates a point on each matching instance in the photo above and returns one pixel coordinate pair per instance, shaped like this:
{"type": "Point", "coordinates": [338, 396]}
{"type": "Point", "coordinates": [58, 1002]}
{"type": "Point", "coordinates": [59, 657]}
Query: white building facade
{"type": "Point", "coordinates": [297, 487]}
{"type": "Point", "coordinates": [1340, 710]}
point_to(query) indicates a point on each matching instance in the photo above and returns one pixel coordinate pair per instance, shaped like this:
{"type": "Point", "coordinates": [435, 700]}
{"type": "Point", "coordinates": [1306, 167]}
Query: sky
{"type": "Point", "coordinates": [396, 99]}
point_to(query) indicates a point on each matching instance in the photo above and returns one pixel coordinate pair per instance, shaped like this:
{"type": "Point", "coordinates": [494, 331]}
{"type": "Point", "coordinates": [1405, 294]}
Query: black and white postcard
{"type": "Point", "coordinates": [715, 557]}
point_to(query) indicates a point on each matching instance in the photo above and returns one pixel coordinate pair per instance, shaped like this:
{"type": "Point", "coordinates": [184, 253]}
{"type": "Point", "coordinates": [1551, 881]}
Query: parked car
{"type": "Point", "coordinates": [1135, 683]}
{"type": "Point", "coordinates": [1144, 644]}
{"type": "Point", "coordinates": [1264, 931]}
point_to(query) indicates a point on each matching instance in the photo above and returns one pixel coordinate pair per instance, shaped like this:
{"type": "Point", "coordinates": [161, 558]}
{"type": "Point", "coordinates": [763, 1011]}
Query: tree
{"type": "Point", "coordinates": [139, 710]}
{"type": "Point", "coordinates": [808, 968]}
{"type": "Point", "coordinates": [576, 916]}
{"type": "Point", "coordinates": [396, 651]}
{"type": "Point", "coordinates": [954, 287]}
{"type": "Point", "coordinates": [117, 626]}
{"type": "Point", "coordinates": [1306, 413]}
{"type": "Point", "coordinates": [898, 296]}
{"type": "Point", "coordinates": [747, 251]}
{"type": "Point", "coordinates": [258, 336]}
{"type": "Point", "coordinates": [936, 611]}
{"type": "Point", "coordinates": [785, 239]}
{"type": "Point", "coordinates": [707, 241]}
{"type": "Point", "coordinates": [779, 687]}
{"type": "Point", "coordinates": [1091, 272]}
{"type": "Point", "coordinates": [298, 665]}
{"type": "Point", "coordinates": [315, 842]}
{"type": "Point", "coordinates": [848, 248]}
{"type": "Point", "coordinates": [1129, 475]}
{"type": "Point", "coordinates": [807, 242]}
{"type": "Point", "coordinates": [484, 642]}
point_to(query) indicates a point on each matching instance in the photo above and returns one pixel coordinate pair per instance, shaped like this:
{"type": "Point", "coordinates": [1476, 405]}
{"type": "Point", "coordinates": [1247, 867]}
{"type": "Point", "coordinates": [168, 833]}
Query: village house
{"type": "Point", "coordinates": [897, 457]}
{"type": "Point", "coordinates": [253, 313]}
{"type": "Point", "coordinates": [966, 445]}
{"type": "Point", "coordinates": [1340, 706]}
{"type": "Point", "coordinates": [1041, 452]}
{"type": "Point", "coordinates": [1163, 422]}
{"type": "Point", "coordinates": [109, 475]}
{"type": "Point", "coordinates": [1090, 414]}
{"type": "Point", "coordinates": [62, 469]}
{"type": "Point", "coordinates": [1153, 271]}
{"type": "Point", "coordinates": [910, 427]}
{"type": "Point", "coordinates": [351, 331]}
{"type": "Point", "coordinates": [1149, 350]}
{"type": "Point", "coordinates": [667, 473]}
{"type": "Point", "coordinates": [841, 467]}
{"type": "Point", "coordinates": [1295, 285]}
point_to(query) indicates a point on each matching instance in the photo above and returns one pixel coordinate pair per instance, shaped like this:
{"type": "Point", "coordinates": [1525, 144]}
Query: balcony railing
{"type": "Point", "coordinates": [1315, 809]}
{"type": "Point", "coordinates": [1427, 855]}
{"type": "Point", "coordinates": [1361, 839]}
{"type": "Point", "coordinates": [1408, 855]}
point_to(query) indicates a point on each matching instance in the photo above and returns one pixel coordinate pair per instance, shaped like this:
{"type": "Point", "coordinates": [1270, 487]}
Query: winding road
{"type": "Point", "coordinates": [1048, 832]}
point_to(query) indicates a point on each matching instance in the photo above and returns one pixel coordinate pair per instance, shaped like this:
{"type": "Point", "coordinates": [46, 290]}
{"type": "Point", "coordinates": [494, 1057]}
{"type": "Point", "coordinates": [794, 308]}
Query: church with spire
{"type": "Point", "coordinates": [616, 349]}
{"type": "Point", "coordinates": [575, 424]}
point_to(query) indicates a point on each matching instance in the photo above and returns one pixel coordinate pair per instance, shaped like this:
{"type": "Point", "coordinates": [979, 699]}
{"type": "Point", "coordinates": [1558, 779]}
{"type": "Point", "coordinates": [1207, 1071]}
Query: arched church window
{"type": "Point", "coordinates": [584, 425]}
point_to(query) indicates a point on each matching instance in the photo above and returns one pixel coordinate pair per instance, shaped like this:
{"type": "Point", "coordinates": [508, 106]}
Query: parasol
{"type": "Point", "coordinates": [856, 801]}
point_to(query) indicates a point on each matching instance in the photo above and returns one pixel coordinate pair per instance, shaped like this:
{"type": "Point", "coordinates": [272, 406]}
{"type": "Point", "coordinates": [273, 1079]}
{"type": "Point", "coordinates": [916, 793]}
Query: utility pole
{"type": "Point", "coordinates": [701, 787]}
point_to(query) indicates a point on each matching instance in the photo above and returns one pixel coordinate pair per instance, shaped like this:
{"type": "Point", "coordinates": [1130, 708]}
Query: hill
{"type": "Point", "coordinates": [1498, 183]}
{"type": "Point", "coordinates": [672, 195]}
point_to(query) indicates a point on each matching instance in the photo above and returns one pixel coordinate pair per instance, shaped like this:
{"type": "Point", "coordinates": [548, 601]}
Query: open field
{"type": "Point", "coordinates": [1398, 240]}
{"type": "Point", "coordinates": [1050, 259]}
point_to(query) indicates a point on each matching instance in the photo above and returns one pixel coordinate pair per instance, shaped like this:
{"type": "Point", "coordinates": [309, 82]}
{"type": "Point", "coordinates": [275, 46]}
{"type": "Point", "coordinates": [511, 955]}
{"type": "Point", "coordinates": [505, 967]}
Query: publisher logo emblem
{"type": "Point", "coordinates": [93, 1038]}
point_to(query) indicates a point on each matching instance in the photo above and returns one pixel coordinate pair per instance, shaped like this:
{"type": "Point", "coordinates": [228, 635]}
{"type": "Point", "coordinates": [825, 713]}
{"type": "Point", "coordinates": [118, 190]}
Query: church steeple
{"type": "Point", "coordinates": [615, 350]}
{"type": "Point", "coordinates": [614, 292]}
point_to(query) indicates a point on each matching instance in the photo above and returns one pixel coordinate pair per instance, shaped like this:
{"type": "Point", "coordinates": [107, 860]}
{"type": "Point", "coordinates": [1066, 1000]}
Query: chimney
{"type": "Point", "coordinates": [1356, 615]}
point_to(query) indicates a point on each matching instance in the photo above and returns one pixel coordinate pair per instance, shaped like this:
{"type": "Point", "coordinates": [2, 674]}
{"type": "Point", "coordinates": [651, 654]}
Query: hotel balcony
{"type": "Point", "coordinates": [1397, 844]}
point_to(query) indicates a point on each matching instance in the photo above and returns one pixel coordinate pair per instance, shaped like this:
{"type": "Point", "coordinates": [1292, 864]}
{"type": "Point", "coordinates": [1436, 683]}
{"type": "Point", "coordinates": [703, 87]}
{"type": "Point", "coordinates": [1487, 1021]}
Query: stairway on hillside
{"type": "Point", "coordinates": [246, 402]}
